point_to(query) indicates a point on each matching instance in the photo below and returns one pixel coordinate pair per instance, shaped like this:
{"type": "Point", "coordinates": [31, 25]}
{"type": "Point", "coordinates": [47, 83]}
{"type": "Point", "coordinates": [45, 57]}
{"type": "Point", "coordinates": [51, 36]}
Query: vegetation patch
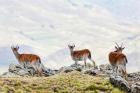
{"type": "Point", "coordinates": [73, 82]}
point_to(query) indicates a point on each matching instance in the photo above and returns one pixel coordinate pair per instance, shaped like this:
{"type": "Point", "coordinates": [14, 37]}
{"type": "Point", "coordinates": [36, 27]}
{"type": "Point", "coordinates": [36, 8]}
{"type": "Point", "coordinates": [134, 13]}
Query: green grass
{"type": "Point", "coordinates": [73, 82]}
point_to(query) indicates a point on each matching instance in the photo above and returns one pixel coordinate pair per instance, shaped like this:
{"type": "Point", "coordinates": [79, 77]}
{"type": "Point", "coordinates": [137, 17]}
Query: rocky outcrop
{"type": "Point", "coordinates": [135, 88]}
{"type": "Point", "coordinates": [120, 82]}
{"type": "Point", "coordinates": [78, 67]}
{"type": "Point", "coordinates": [16, 70]}
{"type": "Point", "coordinates": [131, 85]}
{"type": "Point", "coordinates": [49, 72]}
{"type": "Point", "coordinates": [106, 69]}
{"type": "Point", "coordinates": [71, 68]}
{"type": "Point", "coordinates": [134, 76]}
{"type": "Point", "coordinates": [92, 71]}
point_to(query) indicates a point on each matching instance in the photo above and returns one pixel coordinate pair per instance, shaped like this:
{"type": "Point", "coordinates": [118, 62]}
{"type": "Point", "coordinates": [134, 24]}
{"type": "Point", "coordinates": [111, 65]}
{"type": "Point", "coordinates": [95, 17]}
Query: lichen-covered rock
{"type": "Point", "coordinates": [131, 85]}
{"type": "Point", "coordinates": [134, 76]}
{"type": "Point", "coordinates": [9, 74]}
{"type": "Point", "coordinates": [13, 67]}
{"type": "Point", "coordinates": [120, 82]}
{"type": "Point", "coordinates": [71, 68]}
{"type": "Point", "coordinates": [106, 69]}
{"type": "Point", "coordinates": [49, 72]}
{"type": "Point", "coordinates": [135, 88]}
{"type": "Point", "coordinates": [92, 71]}
{"type": "Point", "coordinates": [81, 68]}
{"type": "Point", "coordinates": [77, 67]}
{"type": "Point", "coordinates": [18, 70]}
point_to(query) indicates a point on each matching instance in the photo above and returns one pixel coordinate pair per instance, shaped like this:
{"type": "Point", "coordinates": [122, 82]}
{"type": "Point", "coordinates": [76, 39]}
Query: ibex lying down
{"type": "Point", "coordinates": [80, 55]}
{"type": "Point", "coordinates": [118, 59]}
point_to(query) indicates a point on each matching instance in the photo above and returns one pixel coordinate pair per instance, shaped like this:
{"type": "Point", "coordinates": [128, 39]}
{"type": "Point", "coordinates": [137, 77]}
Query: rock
{"type": "Point", "coordinates": [106, 69]}
{"type": "Point", "coordinates": [49, 72]}
{"type": "Point", "coordinates": [9, 74]}
{"type": "Point", "coordinates": [65, 69]}
{"type": "Point", "coordinates": [13, 67]}
{"type": "Point", "coordinates": [132, 85]}
{"type": "Point", "coordinates": [91, 71]}
{"type": "Point", "coordinates": [77, 67]}
{"type": "Point", "coordinates": [134, 76]}
{"type": "Point", "coordinates": [135, 88]}
{"type": "Point", "coordinates": [18, 70]}
{"type": "Point", "coordinates": [120, 82]}
{"type": "Point", "coordinates": [73, 67]}
{"type": "Point", "coordinates": [22, 72]}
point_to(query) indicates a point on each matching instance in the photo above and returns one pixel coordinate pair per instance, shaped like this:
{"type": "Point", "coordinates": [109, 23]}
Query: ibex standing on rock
{"type": "Point", "coordinates": [28, 59]}
{"type": "Point", "coordinates": [118, 60]}
{"type": "Point", "coordinates": [80, 55]}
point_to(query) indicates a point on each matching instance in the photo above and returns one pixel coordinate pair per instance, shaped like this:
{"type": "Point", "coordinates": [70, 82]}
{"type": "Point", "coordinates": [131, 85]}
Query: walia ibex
{"type": "Point", "coordinates": [80, 55]}
{"type": "Point", "coordinates": [28, 59]}
{"type": "Point", "coordinates": [117, 59]}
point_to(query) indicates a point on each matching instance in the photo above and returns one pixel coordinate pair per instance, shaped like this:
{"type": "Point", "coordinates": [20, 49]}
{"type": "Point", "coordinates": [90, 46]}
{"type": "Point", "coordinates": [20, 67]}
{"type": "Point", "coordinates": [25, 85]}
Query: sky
{"type": "Point", "coordinates": [46, 27]}
{"type": "Point", "coordinates": [125, 9]}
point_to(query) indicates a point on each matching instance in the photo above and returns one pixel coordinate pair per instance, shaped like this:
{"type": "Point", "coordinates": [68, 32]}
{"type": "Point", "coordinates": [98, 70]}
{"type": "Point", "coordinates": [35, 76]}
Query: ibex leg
{"type": "Point", "coordinates": [85, 63]}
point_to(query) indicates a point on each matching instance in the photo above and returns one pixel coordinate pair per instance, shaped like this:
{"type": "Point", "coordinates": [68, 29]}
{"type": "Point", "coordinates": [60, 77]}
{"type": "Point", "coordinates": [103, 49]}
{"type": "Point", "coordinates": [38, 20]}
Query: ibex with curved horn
{"type": "Point", "coordinates": [26, 59]}
{"type": "Point", "coordinates": [80, 55]}
{"type": "Point", "coordinates": [117, 59]}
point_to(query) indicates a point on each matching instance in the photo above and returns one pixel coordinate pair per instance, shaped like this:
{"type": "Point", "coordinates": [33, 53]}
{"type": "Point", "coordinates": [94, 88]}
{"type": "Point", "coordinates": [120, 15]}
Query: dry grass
{"type": "Point", "coordinates": [74, 82]}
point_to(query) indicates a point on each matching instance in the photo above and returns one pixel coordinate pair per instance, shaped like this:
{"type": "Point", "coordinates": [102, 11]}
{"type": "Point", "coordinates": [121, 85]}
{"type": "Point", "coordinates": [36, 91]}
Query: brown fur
{"type": "Point", "coordinates": [118, 58]}
{"type": "Point", "coordinates": [29, 58]}
{"type": "Point", "coordinates": [32, 59]}
{"type": "Point", "coordinates": [115, 57]}
{"type": "Point", "coordinates": [79, 53]}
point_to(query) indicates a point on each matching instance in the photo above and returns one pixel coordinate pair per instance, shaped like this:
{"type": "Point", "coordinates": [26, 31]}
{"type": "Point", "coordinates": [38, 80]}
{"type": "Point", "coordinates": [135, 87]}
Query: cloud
{"type": "Point", "coordinates": [47, 27]}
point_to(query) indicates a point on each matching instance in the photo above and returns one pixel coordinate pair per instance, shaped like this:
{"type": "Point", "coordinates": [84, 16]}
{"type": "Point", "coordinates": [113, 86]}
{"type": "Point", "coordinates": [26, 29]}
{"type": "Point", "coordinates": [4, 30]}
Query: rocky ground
{"type": "Point", "coordinates": [65, 74]}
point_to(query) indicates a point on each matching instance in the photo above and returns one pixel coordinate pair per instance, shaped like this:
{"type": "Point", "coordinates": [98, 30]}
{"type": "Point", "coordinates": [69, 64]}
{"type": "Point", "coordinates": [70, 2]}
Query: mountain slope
{"type": "Point", "coordinates": [47, 27]}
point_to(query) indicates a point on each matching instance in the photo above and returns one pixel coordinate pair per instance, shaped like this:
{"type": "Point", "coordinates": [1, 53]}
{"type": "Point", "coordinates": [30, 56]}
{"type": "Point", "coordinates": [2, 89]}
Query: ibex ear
{"type": "Point", "coordinates": [11, 47]}
{"type": "Point", "coordinates": [17, 47]}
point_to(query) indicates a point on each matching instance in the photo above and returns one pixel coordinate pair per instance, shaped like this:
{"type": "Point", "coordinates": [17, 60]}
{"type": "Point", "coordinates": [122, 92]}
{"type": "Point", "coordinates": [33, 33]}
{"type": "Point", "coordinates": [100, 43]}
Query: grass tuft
{"type": "Point", "coordinates": [73, 82]}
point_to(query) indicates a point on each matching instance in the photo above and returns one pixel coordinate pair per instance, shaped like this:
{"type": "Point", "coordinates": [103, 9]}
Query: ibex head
{"type": "Point", "coordinates": [119, 48]}
{"type": "Point", "coordinates": [15, 48]}
{"type": "Point", "coordinates": [71, 47]}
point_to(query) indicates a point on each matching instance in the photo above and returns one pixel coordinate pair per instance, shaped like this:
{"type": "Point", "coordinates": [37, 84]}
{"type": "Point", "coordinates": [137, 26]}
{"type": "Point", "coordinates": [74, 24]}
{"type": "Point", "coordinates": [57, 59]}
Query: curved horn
{"type": "Point", "coordinates": [117, 44]}
{"type": "Point", "coordinates": [17, 46]}
{"type": "Point", "coordinates": [73, 44]}
{"type": "Point", "coordinates": [12, 46]}
{"type": "Point", "coordinates": [121, 45]}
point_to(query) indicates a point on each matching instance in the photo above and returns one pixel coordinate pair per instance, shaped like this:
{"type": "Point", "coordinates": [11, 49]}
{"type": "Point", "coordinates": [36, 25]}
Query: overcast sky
{"type": "Point", "coordinates": [126, 9]}
{"type": "Point", "coordinates": [46, 27]}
